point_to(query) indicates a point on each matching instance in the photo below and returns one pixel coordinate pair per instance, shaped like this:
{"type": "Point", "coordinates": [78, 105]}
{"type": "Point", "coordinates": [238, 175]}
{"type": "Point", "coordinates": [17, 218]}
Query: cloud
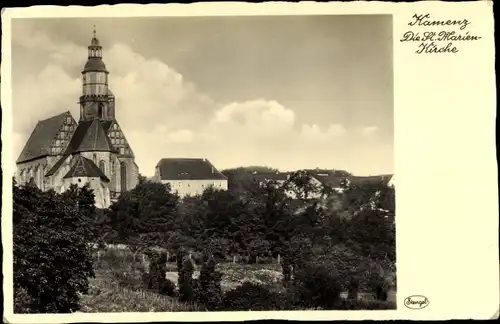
{"type": "Point", "coordinates": [315, 133]}
{"type": "Point", "coordinates": [369, 130]}
{"type": "Point", "coordinates": [164, 115]}
{"type": "Point", "coordinates": [181, 136]}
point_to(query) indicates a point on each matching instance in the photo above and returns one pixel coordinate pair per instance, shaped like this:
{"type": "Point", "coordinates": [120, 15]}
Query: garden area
{"type": "Point", "coordinates": [249, 248]}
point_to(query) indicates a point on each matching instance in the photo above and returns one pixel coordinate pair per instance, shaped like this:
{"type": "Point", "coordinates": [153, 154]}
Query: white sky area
{"type": "Point", "coordinates": [284, 92]}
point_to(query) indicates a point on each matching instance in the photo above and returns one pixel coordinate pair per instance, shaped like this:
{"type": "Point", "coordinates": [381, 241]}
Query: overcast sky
{"type": "Point", "coordinates": [287, 92]}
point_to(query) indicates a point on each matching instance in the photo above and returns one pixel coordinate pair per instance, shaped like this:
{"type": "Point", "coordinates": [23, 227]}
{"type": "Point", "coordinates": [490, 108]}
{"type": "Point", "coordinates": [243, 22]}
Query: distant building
{"type": "Point", "coordinates": [262, 178]}
{"type": "Point", "coordinates": [61, 151]}
{"type": "Point", "coordinates": [330, 180]}
{"type": "Point", "coordinates": [189, 176]}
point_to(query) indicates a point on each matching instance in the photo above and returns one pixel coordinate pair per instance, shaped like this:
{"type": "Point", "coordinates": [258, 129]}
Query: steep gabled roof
{"type": "Point", "coordinates": [188, 169]}
{"type": "Point", "coordinates": [331, 180]}
{"type": "Point", "coordinates": [106, 125]}
{"type": "Point", "coordinates": [41, 138]}
{"type": "Point", "coordinates": [89, 136]}
{"type": "Point", "coordinates": [95, 139]}
{"type": "Point", "coordinates": [56, 166]}
{"type": "Point", "coordinates": [83, 167]}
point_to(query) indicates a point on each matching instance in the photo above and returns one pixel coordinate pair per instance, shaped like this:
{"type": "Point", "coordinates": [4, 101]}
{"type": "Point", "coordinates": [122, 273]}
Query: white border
{"type": "Point", "coordinates": [447, 206]}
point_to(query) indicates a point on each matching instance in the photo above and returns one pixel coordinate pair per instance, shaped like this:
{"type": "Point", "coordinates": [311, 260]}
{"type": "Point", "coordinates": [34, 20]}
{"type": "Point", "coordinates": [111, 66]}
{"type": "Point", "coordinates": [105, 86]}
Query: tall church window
{"type": "Point", "coordinates": [102, 166]}
{"type": "Point", "coordinates": [123, 176]}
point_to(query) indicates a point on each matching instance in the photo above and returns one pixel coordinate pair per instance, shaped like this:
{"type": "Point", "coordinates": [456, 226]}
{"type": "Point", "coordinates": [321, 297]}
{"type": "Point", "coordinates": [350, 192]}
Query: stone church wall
{"type": "Point", "coordinates": [101, 189]}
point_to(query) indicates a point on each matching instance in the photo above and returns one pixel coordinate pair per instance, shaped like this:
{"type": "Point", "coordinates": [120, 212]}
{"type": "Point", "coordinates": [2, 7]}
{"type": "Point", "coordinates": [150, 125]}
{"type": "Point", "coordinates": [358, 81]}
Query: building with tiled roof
{"type": "Point", "coordinates": [189, 176]}
{"type": "Point", "coordinates": [94, 150]}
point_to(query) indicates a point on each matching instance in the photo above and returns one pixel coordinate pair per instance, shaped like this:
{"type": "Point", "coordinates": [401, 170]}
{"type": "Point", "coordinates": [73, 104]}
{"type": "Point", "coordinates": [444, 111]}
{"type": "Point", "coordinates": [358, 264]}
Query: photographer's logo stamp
{"type": "Point", "coordinates": [416, 302]}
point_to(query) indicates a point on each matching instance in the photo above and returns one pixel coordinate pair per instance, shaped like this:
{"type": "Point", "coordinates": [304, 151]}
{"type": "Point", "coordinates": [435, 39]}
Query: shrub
{"type": "Point", "coordinates": [287, 270]}
{"type": "Point", "coordinates": [185, 281]}
{"type": "Point", "coordinates": [209, 292]}
{"type": "Point", "coordinates": [379, 286]}
{"type": "Point", "coordinates": [353, 288]}
{"type": "Point", "coordinates": [316, 285]}
{"type": "Point", "coordinates": [156, 279]}
{"type": "Point", "coordinates": [250, 296]}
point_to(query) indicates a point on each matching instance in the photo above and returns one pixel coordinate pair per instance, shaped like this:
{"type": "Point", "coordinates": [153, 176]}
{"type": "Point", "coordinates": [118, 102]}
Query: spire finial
{"type": "Point", "coordinates": [94, 32]}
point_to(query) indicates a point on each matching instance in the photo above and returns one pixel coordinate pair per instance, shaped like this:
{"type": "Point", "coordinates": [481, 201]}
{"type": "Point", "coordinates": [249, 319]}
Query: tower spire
{"type": "Point", "coordinates": [94, 32]}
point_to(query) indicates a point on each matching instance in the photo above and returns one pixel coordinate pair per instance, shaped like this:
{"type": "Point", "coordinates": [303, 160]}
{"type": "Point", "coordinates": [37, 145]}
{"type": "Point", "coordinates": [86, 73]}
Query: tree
{"type": "Point", "coordinates": [142, 179]}
{"type": "Point", "coordinates": [185, 281]}
{"type": "Point", "coordinates": [52, 257]}
{"type": "Point", "coordinates": [145, 216]}
{"type": "Point", "coordinates": [210, 292]}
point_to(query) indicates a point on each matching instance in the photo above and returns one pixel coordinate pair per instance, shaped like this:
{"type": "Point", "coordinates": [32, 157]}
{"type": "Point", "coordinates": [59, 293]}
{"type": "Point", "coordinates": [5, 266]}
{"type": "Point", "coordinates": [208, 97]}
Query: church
{"type": "Point", "coordinates": [61, 152]}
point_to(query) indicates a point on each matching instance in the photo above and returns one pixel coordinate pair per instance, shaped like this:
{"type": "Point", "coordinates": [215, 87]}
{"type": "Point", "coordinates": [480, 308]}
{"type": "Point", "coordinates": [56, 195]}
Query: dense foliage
{"type": "Point", "coordinates": [250, 296]}
{"type": "Point", "coordinates": [327, 242]}
{"type": "Point", "coordinates": [52, 237]}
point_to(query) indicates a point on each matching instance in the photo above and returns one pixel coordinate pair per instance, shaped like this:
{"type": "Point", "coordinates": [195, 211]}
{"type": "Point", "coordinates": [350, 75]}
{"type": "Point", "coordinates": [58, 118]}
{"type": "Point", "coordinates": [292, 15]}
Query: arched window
{"type": "Point", "coordinates": [101, 110]}
{"type": "Point", "coordinates": [102, 166]}
{"type": "Point", "coordinates": [123, 176]}
{"type": "Point", "coordinates": [39, 175]}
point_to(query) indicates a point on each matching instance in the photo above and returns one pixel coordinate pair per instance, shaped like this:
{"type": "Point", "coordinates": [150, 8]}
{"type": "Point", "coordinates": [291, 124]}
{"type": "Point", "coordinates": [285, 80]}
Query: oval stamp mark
{"type": "Point", "coordinates": [416, 302]}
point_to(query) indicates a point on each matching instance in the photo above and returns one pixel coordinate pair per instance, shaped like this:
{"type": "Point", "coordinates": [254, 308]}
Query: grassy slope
{"type": "Point", "coordinates": [106, 295]}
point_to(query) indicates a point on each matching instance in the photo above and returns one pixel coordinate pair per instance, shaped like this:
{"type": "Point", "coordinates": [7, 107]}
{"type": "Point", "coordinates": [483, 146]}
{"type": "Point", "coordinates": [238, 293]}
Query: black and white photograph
{"type": "Point", "coordinates": [178, 161]}
{"type": "Point", "coordinates": [173, 164]}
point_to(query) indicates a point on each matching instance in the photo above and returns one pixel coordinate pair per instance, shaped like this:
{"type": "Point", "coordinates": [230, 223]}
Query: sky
{"type": "Point", "coordinates": [288, 92]}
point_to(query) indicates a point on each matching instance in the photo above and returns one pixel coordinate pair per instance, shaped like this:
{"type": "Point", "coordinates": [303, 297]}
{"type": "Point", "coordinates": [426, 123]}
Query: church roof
{"type": "Point", "coordinates": [95, 42]}
{"type": "Point", "coordinates": [84, 167]}
{"type": "Point", "coordinates": [41, 138]}
{"type": "Point", "coordinates": [89, 136]}
{"type": "Point", "coordinates": [106, 124]}
{"type": "Point", "coordinates": [94, 64]}
{"type": "Point", "coordinates": [57, 165]}
{"type": "Point", "coordinates": [188, 169]}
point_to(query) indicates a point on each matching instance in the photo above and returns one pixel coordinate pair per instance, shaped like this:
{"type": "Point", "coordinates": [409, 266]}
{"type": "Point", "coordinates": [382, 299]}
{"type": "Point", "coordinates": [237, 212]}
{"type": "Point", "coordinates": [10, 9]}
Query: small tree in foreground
{"type": "Point", "coordinates": [209, 290]}
{"type": "Point", "coordinates": [185, 281]}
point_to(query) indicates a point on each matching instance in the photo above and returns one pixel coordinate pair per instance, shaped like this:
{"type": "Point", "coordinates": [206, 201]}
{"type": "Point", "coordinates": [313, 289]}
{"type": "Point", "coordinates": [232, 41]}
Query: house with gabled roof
{"type": "Point", "coordinates": [189, 176]}
{"type": "Point", "coordinates": [94, 150]}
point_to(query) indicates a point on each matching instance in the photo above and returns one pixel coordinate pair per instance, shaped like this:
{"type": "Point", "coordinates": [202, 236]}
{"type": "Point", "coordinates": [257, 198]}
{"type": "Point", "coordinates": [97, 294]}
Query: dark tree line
{"type": "Point", "coordinates": [260, 221]}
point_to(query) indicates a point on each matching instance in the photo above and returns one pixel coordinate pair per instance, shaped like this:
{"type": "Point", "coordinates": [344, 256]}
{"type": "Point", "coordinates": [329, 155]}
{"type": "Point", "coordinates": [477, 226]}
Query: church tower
{"type": "Point", "coordinates": [96, 101]}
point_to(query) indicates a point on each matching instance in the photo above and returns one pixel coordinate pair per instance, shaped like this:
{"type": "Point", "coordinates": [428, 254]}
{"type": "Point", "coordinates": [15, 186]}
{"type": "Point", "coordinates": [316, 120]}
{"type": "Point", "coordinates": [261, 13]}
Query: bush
{"type": "Point", "coordinates": [52, 256]}
{"type": "Point", "coordinates": [250, 296]}
{"type": "Point", "coordinates": [185, 281]}
{"type": "Point", "coordinates": [316, 285]}
{"type": "Point", "coordinates": [156, 279]}
{"type": "Point", "coordinates": [353, 288]}
{"type": "Point", "coordinates": [379, 287]}
{"type": "Point", "coordinates": [209, 292]}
